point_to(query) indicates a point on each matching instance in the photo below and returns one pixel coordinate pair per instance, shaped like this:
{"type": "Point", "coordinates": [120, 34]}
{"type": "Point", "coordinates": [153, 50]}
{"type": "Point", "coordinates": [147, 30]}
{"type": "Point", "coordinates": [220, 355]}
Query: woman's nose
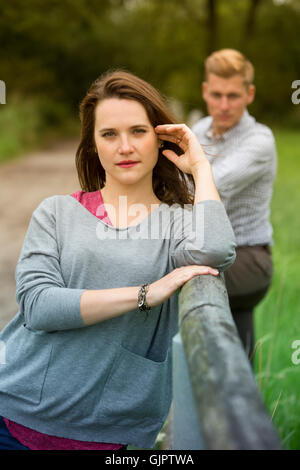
{"type": "Point", "coordinates": [125, 145]}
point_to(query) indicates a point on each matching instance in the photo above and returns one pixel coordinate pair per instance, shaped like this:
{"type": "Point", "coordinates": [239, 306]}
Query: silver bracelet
{"type": "Point", "coordinates": [142, 304]}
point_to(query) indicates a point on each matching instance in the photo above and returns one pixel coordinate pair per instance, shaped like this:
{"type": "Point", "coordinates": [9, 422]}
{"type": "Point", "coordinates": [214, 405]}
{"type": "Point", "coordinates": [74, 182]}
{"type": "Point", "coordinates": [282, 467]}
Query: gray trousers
{"type": "Point", "coordinates": [247, 282]}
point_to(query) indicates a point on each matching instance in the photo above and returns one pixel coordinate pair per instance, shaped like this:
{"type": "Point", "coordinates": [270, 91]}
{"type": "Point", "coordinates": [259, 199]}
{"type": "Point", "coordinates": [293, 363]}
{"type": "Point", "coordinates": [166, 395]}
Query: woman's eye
{"type": "Point", "coordinates": [139, 131]}
{"type": "Point", "coordinates": [108, 134]}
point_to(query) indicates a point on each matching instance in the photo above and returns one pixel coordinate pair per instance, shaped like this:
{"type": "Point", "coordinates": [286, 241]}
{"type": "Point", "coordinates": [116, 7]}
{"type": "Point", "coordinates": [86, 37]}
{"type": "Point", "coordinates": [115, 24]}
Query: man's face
{"type": "Point", "coordinates": [226, 100]}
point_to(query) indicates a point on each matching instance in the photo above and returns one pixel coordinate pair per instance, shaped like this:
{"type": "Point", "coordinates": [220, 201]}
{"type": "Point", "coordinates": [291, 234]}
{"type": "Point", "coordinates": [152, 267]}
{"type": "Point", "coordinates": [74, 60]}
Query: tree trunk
{"type": "Point", "coordinates": [250, 21]}
{"type": "Point", "coordinates": [211, 26]}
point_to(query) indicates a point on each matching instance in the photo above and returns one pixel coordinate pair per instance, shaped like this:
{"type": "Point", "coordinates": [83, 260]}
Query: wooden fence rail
{"type": "Point", "coordinates": [228, 410]}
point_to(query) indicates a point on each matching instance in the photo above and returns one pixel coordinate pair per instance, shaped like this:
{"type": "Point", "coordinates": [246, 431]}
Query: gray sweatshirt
{"type": "Point", "coordinates": [109, 382]}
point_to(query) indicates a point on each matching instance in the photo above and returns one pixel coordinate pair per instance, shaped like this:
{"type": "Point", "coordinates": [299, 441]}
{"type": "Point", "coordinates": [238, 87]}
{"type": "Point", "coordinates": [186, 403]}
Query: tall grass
{"type": "Point", "coordinates": [277, 318]}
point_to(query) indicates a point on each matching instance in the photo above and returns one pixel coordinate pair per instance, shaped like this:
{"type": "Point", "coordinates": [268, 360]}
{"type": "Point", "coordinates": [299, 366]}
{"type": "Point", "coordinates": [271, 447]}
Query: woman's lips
{"type": "Point", "coordinates": [127, 165]}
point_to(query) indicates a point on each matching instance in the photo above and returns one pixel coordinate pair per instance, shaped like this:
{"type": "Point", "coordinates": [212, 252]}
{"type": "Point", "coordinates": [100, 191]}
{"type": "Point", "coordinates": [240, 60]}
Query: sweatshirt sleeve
{"type": "Point", "coordinates": [203, 235]}
{"type": "Point", "coordinates": [44, 300]}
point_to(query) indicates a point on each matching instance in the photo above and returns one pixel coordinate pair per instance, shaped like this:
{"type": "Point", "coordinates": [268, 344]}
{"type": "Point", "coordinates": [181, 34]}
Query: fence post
{"type": "Point", "coordinates": [186, 429]}
{"type": "Point", "coordinates": [226, 400]}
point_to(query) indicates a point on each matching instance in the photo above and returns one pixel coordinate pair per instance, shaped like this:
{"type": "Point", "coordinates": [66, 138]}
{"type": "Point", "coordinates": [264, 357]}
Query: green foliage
{"type": "Point", "coordinates": [277, 317]}
{"type": "Point", "coordinates": [32, 123]}
{"type": "Point", "coordinates": [58, 48]}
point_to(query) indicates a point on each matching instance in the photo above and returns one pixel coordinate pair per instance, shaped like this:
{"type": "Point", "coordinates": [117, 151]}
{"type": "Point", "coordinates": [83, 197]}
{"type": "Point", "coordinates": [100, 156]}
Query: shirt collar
{"type": "Point", "coordinates": [244, 121]}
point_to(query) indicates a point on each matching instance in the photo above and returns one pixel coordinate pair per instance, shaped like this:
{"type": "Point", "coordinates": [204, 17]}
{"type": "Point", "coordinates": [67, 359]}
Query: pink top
{"type": "Point", "coordinates": [35, 440]}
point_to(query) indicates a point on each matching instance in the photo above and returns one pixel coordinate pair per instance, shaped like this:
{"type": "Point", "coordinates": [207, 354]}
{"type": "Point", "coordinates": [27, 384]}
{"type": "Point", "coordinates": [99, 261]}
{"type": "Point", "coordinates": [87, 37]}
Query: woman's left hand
{"type": "Point", "coordinates": [193, 157]}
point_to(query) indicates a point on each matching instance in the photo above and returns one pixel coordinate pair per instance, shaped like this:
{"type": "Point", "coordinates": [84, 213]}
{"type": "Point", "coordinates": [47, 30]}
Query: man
{"type": "Point", "coordinates": [242, 153]}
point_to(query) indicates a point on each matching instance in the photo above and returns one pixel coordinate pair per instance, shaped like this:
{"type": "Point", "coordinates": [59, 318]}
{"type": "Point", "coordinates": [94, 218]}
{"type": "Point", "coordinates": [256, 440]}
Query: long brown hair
{"type": "Point", "coordinates": [170, 184]}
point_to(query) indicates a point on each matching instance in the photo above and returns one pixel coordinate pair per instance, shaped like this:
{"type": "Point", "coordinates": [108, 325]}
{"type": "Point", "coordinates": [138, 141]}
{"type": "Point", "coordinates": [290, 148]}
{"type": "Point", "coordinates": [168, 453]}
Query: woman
{"type": "Point", "coordinates": [88, 362]}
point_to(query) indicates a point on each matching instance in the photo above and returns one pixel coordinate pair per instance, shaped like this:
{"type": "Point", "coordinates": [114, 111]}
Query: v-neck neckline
{"type": "Point", "coordinates": [100, 202]}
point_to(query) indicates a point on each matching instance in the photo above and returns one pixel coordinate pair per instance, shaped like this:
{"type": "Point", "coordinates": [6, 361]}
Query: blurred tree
{"type": "Point", "coordinates": [53, 47]}
{"type": "Point", "coordinates": [211, 26]}
{"type": "Point", "coordinates": [56, 49]}
{"type": "Point", "coordinates": [250, 20]}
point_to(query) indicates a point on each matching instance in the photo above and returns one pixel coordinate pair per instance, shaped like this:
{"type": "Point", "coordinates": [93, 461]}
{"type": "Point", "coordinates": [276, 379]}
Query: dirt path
{"type": "Point", "coordinates": [24, 184]}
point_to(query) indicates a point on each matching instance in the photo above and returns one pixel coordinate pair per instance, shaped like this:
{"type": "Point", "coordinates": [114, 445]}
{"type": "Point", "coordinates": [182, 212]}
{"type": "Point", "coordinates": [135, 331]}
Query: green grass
{"type": "Point", "coordinates": [32, 123]}
{"type": "Point", "coordinates": [277, 318]}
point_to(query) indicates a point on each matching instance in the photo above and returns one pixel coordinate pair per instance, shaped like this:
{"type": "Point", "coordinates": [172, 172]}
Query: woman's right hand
{"type": "Point", "coordinates": [161, 290]}
{"type": "Point", "coordinates": [193, 156]}
{"type": "Point", "coordinates": [99, 305]}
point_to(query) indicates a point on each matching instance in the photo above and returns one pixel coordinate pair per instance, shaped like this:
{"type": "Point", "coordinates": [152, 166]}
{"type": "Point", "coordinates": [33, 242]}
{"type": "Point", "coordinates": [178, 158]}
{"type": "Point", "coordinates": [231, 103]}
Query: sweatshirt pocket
{"type": "Point", "coordinates": [27, 359]}
{"type": "Point", "coordinates": [137, 389]}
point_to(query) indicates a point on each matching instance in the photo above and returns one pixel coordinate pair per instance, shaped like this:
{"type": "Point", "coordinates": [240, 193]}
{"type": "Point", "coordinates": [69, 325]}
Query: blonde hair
{"type": "Point", "coordinates": [228, 62]}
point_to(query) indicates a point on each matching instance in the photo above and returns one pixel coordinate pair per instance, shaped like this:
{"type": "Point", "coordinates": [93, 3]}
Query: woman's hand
{"type": "Point", "coordinates": [161, 290]}
{"type": "Point", "coordinates": [180, 134]}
